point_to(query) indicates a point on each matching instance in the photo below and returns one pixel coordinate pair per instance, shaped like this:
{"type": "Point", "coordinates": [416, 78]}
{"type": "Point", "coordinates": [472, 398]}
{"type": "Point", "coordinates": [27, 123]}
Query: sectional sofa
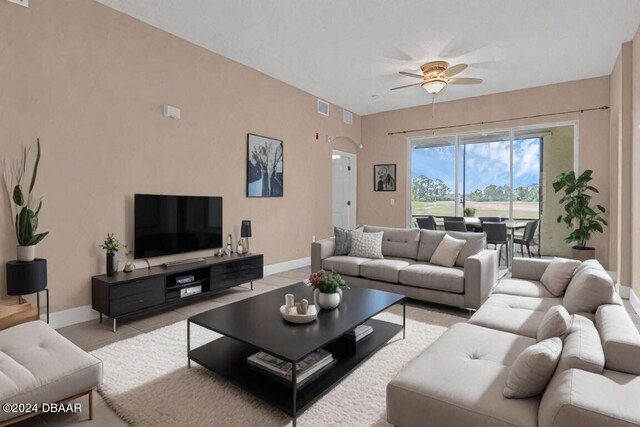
{"type": "Point", "coordinates": [459, 379]}
{"type": "Point", "coordinates": [406, 269]}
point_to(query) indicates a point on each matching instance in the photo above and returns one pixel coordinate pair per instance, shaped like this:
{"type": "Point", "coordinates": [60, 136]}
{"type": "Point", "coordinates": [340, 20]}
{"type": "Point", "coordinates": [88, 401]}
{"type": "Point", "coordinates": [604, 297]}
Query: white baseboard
{"type": "Point", "coordinates": [287, 265]}
{"type": "Point", "coordinates": [624, 291]}
{"type": "Point", "coordinates": [60, 319]}
{"type": "Point", "coordinates": [635, 301]}
{"type": "Point", "coordinates": [63, 318]}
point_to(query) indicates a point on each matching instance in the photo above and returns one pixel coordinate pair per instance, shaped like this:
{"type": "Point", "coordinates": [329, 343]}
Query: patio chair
{"type": "Point", "coordinates": [427, 222]}
{"type": "Point", "coordinates": [527, 236]}
{"type": "Point", "coordinates": [497, 235]}
{"type": "Point", "coordinates": [455, 226]}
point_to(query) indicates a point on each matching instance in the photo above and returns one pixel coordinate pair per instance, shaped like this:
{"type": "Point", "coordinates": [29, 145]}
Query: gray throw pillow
{"type": "Point", "coordinates": [531, 372]}
{"type": "Point", "coordinates": [343, 241]}
{"type": "Point", "coordinates": [555, 323]}
{"type": "Point", "coordinates": [366, 245]}
{"type": "Point", "coordinates": [557, 275]}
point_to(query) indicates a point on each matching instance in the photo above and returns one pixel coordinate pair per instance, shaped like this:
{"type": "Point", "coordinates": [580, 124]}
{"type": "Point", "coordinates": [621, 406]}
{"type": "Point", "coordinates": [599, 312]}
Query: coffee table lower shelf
{"type": "Point", "coordinates": [227, 358]}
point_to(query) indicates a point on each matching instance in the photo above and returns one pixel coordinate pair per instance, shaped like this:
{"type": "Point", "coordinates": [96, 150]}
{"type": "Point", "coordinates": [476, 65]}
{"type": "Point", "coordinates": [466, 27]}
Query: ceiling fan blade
{"type": "Point", "coordinates": [464, 81]}
{"type": "Point", "coordinates": [402, 87]}
{"type": "Point", "coordinates": [417, 76]}
{"type": "Point", "coordinates": [452, 71]}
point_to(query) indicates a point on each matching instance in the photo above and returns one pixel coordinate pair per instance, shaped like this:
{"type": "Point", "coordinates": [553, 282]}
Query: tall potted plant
{"type": "Point", "coordinates": [579, 215]}
{"type": "Point", "coordinates": [24, 207]}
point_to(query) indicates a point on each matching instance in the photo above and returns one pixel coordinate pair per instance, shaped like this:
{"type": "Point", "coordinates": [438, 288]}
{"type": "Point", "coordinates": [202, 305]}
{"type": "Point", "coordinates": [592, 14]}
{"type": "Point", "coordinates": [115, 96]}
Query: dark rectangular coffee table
{"type": "Point", "coordinates": [255, 324]}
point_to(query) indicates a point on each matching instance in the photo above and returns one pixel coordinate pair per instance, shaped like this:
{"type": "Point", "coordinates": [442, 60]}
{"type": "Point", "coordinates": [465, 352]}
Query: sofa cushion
{"type": "Point", "coordinates": [38, 365]}
{"type": "Point", "coordinates": [620, 339]}
{"type": "Point", "coordinates": [589, 288]}
{"type": "Point", "coordinates": [519, 321]}
{"type": "Point", "coordinates": [579, 398]}
{"type": "Point", "coordinates": [555, 323]}
{"type": "Point", "coordinates": [533, 369]}
{"type": "Point", "coordinates": [522, 288]}
{"type": "Point", "coordinates": [385, 270]}
{"type": "Point", "coordinates": [366, 245]}
{"type": "Point", "coordinates": [397, 242]}
{"type": "Point", "coordinates": [342, 264]}
{"type": "Point", "coordinates": [424, 275]}
{"type": "Point", "coordinates": [558, 274]}
{"type": "Point", "coordinates": [447, 251]}
{"type": "Point", "coordinates": [528, 303]}
{"type": "Point", "coordinates": [582, 348]}
{"type": "Point", "coordinates": [458, 381]}
{"type": "Point", "coordinates": [430, 239]}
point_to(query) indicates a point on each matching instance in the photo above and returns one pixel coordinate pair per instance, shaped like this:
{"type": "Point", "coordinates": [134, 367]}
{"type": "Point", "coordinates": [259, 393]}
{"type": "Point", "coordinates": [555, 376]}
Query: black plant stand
{"type": "Point", "coordinates": [26, 278]}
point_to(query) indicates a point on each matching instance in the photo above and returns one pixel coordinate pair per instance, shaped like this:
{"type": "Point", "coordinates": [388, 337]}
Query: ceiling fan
{"type": "Point", "coordinates": [437, 74]}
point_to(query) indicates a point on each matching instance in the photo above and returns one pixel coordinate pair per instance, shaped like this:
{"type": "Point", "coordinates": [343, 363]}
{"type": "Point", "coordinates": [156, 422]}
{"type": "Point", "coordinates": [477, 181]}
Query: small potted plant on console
{"type": "Point", "coordinates": [327, 288]}
{"type": "Point", "coordinates": [111, 246]}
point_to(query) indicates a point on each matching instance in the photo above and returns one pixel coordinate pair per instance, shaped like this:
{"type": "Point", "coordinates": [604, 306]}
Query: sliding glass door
{"type": "Point", "coordinates": [492, 174]}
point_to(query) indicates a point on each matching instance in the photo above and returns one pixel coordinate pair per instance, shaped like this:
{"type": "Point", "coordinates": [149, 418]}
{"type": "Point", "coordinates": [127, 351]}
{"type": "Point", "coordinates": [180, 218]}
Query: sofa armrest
{"type": "Point", "coordinates": [480, 276]}
{"type": "Point", "coordinates": [320, 250]}
{"type": "Point", "coordinates": [529, 268]}
{"type": "Point", "coordinates": [579, 398]}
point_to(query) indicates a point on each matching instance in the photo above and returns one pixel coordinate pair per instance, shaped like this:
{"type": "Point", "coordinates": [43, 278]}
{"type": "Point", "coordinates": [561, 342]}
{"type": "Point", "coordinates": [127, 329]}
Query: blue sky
{"type": "Point", "coordinates": [486, 164]}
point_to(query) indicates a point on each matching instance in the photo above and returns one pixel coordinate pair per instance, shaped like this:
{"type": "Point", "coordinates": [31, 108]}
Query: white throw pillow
{"type": "Point", "coordinates": [558, 274]}
{"type": "Point", "coordinates": [533, 369]}
{"type": "Point", "coordinates": [447, 251]}
{"type": "Point", "coordinates": [555, 323]}
{"type": "Point", "coordinates": [366, 245]}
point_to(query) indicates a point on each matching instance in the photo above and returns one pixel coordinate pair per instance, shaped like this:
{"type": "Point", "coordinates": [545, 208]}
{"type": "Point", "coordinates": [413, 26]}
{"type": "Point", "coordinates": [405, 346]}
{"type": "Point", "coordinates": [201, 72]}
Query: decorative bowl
{"type": "Point", "coordinates": [312, 314]}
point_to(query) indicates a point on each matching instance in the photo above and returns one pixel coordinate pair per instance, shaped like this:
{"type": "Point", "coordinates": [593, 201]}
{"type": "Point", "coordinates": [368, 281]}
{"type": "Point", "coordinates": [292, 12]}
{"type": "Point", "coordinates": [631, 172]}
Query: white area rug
{"type": "Point", "coordinates": [147, 382]}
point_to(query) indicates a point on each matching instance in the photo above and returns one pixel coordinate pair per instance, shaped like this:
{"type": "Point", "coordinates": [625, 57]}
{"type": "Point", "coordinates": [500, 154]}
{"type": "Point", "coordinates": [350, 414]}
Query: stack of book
{"type": "Point", "coordinates": [359, 333]}
{"type": "Point", "coordinates": [280, 370]}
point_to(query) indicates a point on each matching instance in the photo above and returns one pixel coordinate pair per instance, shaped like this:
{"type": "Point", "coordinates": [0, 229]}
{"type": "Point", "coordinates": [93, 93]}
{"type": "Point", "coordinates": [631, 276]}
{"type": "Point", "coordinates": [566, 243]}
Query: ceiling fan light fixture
{"type": "Point", "coordinates": [434, 86]}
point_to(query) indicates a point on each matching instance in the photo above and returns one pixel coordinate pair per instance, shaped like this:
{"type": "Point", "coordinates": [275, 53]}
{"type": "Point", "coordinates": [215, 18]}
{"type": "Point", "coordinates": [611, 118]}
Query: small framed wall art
{"type": "Point", "coordinates": [384, 177]}
{"type": "Point", "coordinates": [264, 166]}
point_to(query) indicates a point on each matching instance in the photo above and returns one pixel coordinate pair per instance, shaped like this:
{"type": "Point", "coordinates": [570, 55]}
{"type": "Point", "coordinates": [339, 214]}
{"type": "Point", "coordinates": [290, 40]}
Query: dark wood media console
{"type": "Point", "coordinates": [151, 288]}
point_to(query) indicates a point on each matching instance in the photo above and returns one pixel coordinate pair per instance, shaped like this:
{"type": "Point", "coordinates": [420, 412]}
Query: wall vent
{"type": "Point", "coordinates": [323, 107]}
{"type": "Point", "coordinates": [347, 117]}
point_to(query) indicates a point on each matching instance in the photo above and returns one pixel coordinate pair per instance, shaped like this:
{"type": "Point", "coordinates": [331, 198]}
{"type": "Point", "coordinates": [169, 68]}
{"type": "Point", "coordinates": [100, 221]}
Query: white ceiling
{"type": "Point", "coordinates": [348, 51]}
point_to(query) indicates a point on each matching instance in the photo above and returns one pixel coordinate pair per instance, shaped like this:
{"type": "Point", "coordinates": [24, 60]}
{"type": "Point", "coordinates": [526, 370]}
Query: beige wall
{"type": "Point", "coordinates": [620, 199]}
{"type": "Point", "coordinates": [91, 83]}
{"type": "Point", "coordinates": [593, 153]}
{"type": "Point", "coordinates": [557, 157]}
{"type": "Point", "coordinates": [635, 107]}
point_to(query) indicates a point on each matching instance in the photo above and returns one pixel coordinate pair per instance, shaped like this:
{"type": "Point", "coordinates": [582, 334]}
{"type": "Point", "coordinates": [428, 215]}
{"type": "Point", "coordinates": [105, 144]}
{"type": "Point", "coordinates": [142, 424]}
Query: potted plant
{"type": "Point", "coordinates": [578, 215]}
{"type": "Point", "coordinates": [111, 246]}
{"type": "Point", "coordinates": [327, 288]}
{"type": "Point", "coordinates": [24, 207]}
{"type": "Point", "coordinates": [469, 212]}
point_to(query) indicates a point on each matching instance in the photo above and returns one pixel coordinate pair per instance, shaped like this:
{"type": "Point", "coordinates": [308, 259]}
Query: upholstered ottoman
{"type": "Point", "coordinates": [38, 365]}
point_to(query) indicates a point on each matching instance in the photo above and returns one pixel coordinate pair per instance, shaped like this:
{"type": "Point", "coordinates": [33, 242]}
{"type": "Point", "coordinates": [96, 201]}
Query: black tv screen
{"type": "Point", "coordinates": [166, 225]}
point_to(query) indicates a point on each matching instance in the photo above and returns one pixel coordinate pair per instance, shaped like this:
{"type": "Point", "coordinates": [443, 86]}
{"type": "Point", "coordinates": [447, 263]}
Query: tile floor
{"type": "Point", "coordinates": [92, 335]}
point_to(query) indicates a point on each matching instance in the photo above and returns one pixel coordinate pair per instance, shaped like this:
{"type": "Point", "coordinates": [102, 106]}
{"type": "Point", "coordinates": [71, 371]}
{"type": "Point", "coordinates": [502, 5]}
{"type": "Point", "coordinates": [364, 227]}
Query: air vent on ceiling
{"type": "Point", "coordinates": [347, 117]}
{"type": "Point", "coordinates": [323, 107]}
{"type": "Point", "coordinates": [24, 3]}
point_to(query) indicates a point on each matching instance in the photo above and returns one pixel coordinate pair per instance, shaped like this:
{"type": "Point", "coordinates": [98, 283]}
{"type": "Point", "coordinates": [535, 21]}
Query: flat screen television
{"type": "Point", "coordinates": [166, 225]}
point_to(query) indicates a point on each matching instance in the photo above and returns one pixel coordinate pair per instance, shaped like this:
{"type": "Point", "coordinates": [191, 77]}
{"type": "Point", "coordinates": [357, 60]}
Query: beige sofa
{"type": "Point", "coordinates": [458, 380]}
{"type": "Point", "coordinates": [406, 269]}
{"type": "Point", "coordinates": [38, 366]}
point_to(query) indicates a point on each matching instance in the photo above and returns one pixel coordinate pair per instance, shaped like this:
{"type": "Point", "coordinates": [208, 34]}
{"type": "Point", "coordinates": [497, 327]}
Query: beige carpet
{"type": "Point", "coordinates": [147, 382]}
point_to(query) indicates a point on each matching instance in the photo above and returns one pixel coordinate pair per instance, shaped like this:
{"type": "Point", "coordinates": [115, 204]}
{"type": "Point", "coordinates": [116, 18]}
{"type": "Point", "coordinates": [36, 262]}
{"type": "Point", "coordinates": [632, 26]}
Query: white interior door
{"type": "Point", "coordinates": [343, 190]}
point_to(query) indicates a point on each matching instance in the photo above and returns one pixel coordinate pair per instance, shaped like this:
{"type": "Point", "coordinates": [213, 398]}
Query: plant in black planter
{"type": "Point", "coordinates": [579, 215]}
{"type": "Point", "coordinates": [111, 246]}
{"type": "Point", "coordinates": [25, 207]}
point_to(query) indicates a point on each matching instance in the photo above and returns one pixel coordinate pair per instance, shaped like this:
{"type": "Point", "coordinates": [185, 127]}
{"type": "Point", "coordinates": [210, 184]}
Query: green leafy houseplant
{"type": "Point", "coordinates": [111, 245]}
{"type": "Point", "coordinates": [24, 206]}
{"type": "Point", "coordinates": [326, 282]}
{"type": "Point", "coordinates": [469, 212]}
{"type": "Point", "coordinates": [579, 215]}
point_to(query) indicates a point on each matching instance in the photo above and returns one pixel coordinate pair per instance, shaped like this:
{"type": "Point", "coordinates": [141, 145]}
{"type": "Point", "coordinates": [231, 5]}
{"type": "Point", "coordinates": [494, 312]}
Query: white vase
{"type": "Point", "coordinates": [328, 301]}
{"type": "Point", "coordinates": [26, 253]}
